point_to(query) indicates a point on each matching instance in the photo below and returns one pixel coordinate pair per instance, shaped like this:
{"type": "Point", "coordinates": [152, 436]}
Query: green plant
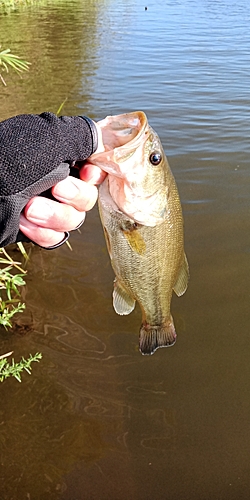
{"type": "Point", "coordinates": [8, 5]}
{"type": "Point", "coordinates": [14, 369]}
{"type": "Point", "coordinates": [9, 293]}
{"type": "Point", "coordinates": [11, 278]}
{"type": "Point", "coordinates": [8, 60]}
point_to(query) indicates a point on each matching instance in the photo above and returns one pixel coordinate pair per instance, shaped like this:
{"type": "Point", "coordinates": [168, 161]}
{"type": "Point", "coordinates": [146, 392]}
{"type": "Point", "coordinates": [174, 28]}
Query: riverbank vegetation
{"type": "Point", "coordinates": [12, 4]}
{"type": "Point", "coordinates": [7, 6]}
{"type": "Point", "coordinates": [14, 369]}
{"type": "Point", "coordinates": [10, 61]}
{"type": "Point", "coordinates": [11, 274]}
{"type": "Point", "coordinates": [11, 279]}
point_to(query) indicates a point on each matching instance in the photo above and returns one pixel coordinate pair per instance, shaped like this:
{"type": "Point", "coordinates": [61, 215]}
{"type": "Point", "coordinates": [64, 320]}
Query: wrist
{"type": "Point", "coordinates": [100, 146]}
{"type": "Point", "coordinates": [96, 133]}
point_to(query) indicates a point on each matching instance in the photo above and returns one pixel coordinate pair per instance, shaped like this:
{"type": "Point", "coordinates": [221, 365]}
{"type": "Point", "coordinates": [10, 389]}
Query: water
{"type": "Point", "coordinates": [97, 420]}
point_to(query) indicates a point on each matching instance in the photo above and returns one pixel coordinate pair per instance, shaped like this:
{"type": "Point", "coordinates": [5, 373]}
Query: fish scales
{"type": "Point", "coordinates": [144, 240]}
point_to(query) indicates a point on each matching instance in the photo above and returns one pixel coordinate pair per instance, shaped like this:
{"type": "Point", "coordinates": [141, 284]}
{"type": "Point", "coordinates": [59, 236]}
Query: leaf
{"type": "Point", "coordinates": [61, 106]}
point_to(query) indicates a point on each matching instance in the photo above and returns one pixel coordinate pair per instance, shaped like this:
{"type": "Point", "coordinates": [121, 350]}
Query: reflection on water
{"type": "Point", "coordinates": [97, 420]}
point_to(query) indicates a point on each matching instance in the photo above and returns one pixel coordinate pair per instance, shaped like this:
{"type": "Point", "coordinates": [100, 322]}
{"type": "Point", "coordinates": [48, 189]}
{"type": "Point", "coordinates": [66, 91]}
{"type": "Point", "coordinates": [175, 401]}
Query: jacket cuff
{"type": "Point", "coordinates": [93, 131]}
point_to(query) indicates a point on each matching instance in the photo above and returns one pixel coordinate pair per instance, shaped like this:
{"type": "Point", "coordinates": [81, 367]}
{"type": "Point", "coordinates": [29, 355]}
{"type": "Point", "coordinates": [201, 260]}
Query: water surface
{"type": "Point", "coordinates": [97, 420]}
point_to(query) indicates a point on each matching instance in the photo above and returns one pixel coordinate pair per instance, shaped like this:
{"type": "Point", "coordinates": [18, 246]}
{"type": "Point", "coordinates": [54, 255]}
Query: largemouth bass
{"type": "Point", "coordinates": [142, 220]}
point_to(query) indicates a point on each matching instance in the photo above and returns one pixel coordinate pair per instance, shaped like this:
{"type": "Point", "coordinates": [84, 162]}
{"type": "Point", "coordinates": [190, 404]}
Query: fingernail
{"type": "Point", "coordinates": [71, 192]}
{"type": "Point", "coordinates": [39, 211]}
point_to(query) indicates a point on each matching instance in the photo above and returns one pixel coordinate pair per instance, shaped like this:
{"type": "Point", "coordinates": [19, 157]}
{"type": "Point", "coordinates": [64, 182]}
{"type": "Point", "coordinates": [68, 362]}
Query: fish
{"type": "Point", "coordinates": [142, 220]}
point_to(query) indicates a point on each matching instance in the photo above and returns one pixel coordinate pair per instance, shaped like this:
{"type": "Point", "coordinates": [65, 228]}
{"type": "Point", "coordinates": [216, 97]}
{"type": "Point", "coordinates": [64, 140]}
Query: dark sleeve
{"type": "Point", "coordinates": [35, 153]}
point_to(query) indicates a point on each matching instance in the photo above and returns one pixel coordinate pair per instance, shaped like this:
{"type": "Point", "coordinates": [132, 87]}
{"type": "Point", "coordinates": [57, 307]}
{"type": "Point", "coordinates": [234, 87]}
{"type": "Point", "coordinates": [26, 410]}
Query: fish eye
{"type": "Point", "coordinates": [155, 158]}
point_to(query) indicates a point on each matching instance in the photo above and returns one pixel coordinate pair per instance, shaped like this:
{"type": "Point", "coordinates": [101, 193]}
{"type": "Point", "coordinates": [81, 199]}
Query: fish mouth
{"type": "Point", "coordinates": [122, 135]}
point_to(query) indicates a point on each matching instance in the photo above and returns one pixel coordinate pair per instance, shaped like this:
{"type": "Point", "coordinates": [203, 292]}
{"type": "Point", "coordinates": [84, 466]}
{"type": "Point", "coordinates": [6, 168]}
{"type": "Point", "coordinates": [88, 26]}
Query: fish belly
{"type": "Point", "coordinates": [146, 261]}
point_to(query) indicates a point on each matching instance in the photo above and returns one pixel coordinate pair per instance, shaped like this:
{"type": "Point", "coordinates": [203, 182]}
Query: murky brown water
{"type": "Point", "coordinates": [97, 420]}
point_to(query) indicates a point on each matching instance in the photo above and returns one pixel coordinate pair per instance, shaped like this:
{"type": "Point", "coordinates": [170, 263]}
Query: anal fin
{"type": "Point", "coordinates": [123, 303]}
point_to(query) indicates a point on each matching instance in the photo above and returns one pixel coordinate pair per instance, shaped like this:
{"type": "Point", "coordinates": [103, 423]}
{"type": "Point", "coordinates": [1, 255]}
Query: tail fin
{"type": "Point", "coordinates": [153, 337]}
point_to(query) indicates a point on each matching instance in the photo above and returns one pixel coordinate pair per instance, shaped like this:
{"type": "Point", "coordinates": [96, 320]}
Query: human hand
{"type": "Point", "coordinates": [45, 221]}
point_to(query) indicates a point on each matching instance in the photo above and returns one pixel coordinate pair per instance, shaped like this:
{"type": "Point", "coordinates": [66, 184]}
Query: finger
{"type": "Point", "coordinates": [52, 215]}
{"type": "Point", "coordinates": [92, 174]}
{"type": "Point", "coordinates": [75, 192]}
{"type": "Point", "coordinates": [41, 236]}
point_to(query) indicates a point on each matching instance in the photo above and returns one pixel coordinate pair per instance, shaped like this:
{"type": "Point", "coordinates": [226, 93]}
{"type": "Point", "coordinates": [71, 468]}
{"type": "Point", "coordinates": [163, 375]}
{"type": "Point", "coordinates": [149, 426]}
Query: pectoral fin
{"type": "Point", "coordinates": [136, 241]}
{"type": "Point", "coordinates": [182, 279]}
{"type": "Point", "coordinates": [123, 303]}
